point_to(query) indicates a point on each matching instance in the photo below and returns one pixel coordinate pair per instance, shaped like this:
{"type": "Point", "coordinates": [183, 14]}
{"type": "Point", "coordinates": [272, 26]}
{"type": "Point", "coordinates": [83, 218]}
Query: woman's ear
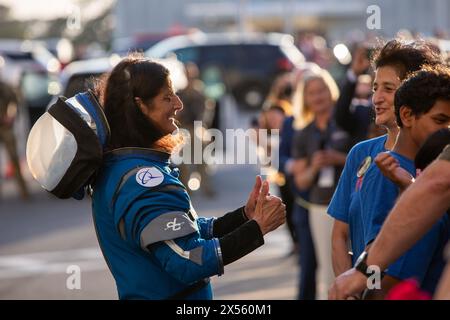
{"type": "Point", "coordinates": [141, 105]}
{"type": "Point", "coordinates": [406, 116]}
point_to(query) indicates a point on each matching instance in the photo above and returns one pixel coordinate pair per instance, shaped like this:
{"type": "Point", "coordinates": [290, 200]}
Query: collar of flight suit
{"type": "Point", "coordinates": [131, 152]}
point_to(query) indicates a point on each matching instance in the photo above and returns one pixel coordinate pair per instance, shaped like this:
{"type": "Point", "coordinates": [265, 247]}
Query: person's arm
{"type": "Point", "coordinates": [268, 215]}
{"type": "Point", "coordinates": [304, 170]}
{"type": "Point", "coordinates": [340, 244]}
{"type": "Point", "coordinates": [188, 257]}
{"type": "Point", "coordinates": [334, 157]}
{"type": "Point", "coordinates": [443, 290]}
{"type": "Point", "coordinates": [218, 227]}
{"type": "Point", "coordinates": [387, 283]}
{"type": "Point", "coordinates": [390, 168]}
{"type": "Point", "coordinates": [304, 175]}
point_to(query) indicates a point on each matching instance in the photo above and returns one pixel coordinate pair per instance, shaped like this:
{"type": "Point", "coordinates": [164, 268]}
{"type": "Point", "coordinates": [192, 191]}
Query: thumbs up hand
{"type": "Point", "coordinates": [270, 211]}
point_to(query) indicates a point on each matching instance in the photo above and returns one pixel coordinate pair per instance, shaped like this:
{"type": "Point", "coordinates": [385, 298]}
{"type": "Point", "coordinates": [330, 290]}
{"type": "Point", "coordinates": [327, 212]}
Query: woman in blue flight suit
{"type": "Point", "coordinates": [152, 240]}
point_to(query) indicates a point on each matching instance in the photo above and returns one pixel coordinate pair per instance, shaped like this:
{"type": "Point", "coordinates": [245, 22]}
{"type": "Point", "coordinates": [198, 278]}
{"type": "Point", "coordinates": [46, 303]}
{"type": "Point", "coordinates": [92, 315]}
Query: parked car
{"type": "Point", "coordinates": [243, 64]}
{"type": "Point", "coordinates": [78, 76]}
{"type": "Point", "coordinates": [32, 70]}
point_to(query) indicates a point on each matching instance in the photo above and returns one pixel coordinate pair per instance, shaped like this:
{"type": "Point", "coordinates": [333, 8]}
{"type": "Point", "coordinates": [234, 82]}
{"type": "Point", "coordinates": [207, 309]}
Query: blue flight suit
{"type": "Point", "coordinates": [150, 236]}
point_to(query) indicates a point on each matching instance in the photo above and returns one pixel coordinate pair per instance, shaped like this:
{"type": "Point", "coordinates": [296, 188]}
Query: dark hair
{"type": "Point", "coordinates": [133, 77]}
{"type": "Point", "coordinates": [406, 57]}
{"type": "Point", "coordinates": [422, 89]}
{"type": "Point", "coordinates": [431, 148]}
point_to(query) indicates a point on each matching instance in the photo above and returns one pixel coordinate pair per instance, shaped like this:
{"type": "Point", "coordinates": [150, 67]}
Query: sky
{"type": "Point", "coordinates": [50, 9]}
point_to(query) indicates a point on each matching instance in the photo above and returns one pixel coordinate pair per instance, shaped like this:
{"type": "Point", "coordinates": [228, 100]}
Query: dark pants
{"type": "Point", "coordinates": [288, 200]}
{"type": "Point", "coordinates": [307, 256]}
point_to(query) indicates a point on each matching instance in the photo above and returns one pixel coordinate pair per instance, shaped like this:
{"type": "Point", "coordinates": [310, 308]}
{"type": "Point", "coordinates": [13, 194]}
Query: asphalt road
{"type": "Point", "coordinates": [42, 238]}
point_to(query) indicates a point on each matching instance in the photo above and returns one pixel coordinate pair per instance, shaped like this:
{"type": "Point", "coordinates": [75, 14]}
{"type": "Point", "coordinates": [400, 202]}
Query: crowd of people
{"type": "Point", "coordinates": [363, 166]}
{"type": "Point", "coordinates": [347, 157]}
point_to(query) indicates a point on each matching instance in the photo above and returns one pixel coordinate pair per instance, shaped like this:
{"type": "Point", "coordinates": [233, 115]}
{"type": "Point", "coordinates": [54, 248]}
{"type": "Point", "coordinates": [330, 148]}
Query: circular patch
{"type": "Point", "coordinates": [149, 177]}
{"type": "Point", "coordinates": [364, 166]}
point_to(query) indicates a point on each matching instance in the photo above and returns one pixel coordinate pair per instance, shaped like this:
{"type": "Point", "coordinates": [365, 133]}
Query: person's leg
{"type": "Point", "coordinates": [307, 256]}
{"type": "Point", "coordinates": [7, 136]}
{"type": "Point", "coordinates": [288, 200]}
{"type": "Point", "coordinates": [321, 227]}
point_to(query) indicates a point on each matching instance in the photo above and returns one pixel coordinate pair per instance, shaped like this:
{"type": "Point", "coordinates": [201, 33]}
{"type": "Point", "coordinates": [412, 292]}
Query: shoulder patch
{"type": "Point", "coordinates": [168, 226]}
{"type": "Point", "coordinates": [149, 177]}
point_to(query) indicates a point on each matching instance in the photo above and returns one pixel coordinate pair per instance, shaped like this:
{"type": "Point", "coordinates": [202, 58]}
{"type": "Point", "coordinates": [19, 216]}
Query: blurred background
{"type": "Point", "coordinates": [234, 53]}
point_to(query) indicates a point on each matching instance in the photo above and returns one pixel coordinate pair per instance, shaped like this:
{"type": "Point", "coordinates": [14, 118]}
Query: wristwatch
{"type": "Point", "coordinates": [362, 266]}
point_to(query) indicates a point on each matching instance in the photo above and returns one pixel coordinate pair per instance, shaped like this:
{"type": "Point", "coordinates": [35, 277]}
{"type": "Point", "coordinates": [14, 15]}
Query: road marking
{"type": "Point", "coordinates": [91, 259]}
{"type": "Point", "coordinates": [24, 265]}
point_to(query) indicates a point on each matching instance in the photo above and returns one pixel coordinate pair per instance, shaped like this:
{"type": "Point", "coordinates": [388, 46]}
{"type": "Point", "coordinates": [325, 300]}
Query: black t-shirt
{"type": "Point", "coordinates": [311, 139]}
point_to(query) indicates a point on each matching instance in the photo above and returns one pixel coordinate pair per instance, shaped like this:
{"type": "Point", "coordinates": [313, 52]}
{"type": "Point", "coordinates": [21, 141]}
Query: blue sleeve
{"type": "Point", "coordinates": [177, 245]}
{"type": "Point", "coordinates": [140, 212]}
{"type": "Point", "coordinates": [340, 202]}
{"type": "Point", "coordinates": [285, 143]}
{"type": "Point", "coordinates": [205, 226]}
{"type": "Point", "coordinates": [190, 258]}
{"type": "Point", "coordinates": [136, 206]}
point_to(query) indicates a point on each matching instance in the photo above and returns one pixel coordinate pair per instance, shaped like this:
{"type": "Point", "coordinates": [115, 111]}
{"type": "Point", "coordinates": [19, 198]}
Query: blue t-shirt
{"type": "Point", "coordinates": [377, 196]}
{"type": "Point", "coordinates": [344, 205]}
